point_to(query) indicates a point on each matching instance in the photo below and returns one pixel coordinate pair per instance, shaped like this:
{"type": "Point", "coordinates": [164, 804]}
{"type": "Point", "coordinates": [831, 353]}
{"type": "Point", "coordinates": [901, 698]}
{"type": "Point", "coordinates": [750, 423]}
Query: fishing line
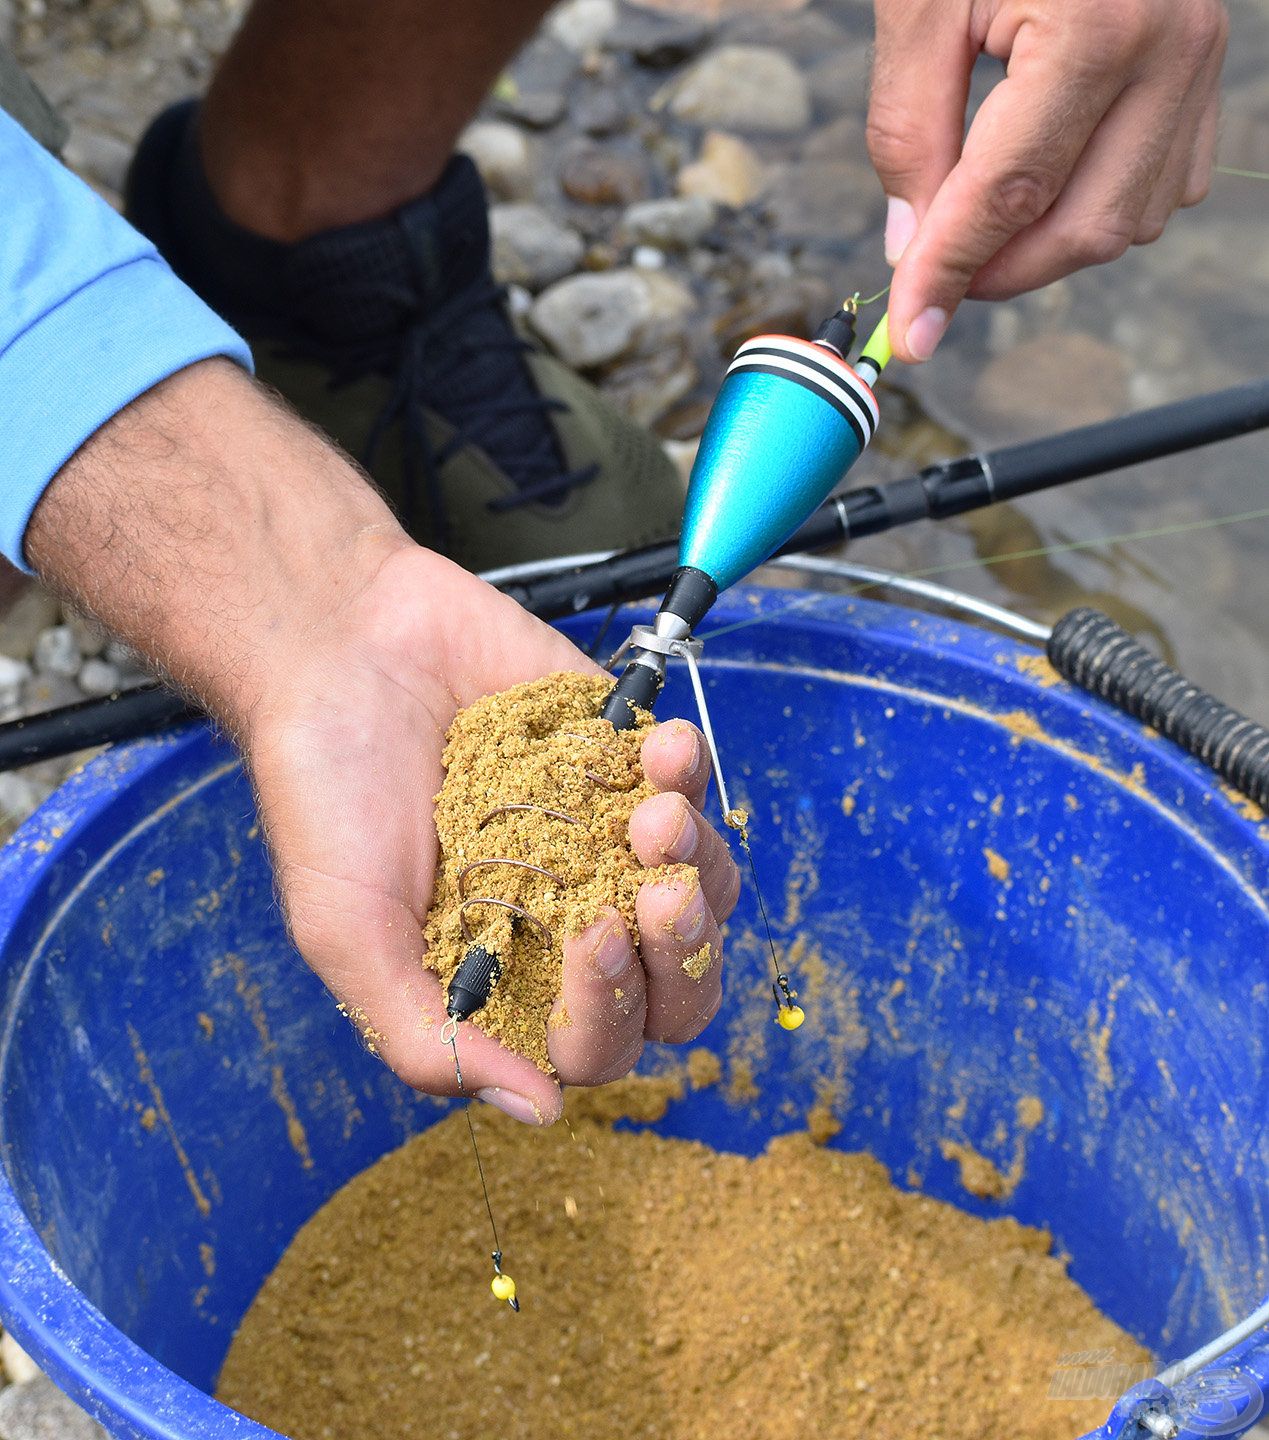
{"type": "Point", "coordinates": [503, 1286]}
{"type": "Point", "coordinates": [1245, 174]}
{"type": "Point", "coordinates": [881, 294]}
{"type": "Point", "coordinates": [1160, 532]}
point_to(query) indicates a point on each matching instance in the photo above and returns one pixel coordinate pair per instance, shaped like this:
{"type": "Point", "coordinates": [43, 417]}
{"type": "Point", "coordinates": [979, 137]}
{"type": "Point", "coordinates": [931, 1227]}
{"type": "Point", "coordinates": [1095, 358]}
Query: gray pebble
{"type": "Point", "coordinates": [519, 301]}
{"type": "Point", "coordinates": [589, 320]}
{"type": "Point", "coordinates": [582, 24]}
{"type": "Point", "coordinates": [56, 652]}
{"type": "Point", "coordinates": [13, 675]}
{"type": "Point", "coordinates": [503, 155]}
{"type": "Point", "coordinates": [99, 677]}
{"type": "Point", "coordinates": [672, 224]}
{"type": "Point", "coordinates": [530, 247]}
{"type": "Point", "coordinates": [752, 88]}
{"type": "Point", "coordinates": [38, 1410]}
{"type": "Point", "coordinates": [647, 257]}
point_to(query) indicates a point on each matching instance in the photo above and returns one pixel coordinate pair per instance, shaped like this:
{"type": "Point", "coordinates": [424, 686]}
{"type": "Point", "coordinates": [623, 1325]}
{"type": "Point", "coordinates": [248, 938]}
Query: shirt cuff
{"type": "Point", "coordinates": [81, 363]}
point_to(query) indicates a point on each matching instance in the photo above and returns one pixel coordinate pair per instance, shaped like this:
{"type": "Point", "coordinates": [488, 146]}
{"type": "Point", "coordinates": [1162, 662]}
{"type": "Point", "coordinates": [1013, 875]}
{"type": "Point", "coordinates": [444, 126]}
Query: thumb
{"type": "Point", "coordinates": [916, 113]}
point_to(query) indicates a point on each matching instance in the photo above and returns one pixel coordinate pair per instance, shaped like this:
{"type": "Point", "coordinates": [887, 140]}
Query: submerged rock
{"type": "Point", "coordinates": [1055, 381]}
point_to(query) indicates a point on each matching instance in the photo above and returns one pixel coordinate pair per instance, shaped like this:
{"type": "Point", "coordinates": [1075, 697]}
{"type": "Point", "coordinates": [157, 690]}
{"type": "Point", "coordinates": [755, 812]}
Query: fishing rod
{"type": "Point", "coordinates": [940, 491]}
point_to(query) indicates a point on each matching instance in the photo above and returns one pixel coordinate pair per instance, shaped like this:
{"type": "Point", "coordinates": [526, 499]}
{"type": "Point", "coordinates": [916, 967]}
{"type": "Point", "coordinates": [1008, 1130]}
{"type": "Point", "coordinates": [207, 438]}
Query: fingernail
{"type": "Point", "coordinates": [679, 733]}
{"type": "Point", "coordinates": [689, 923]}
{"type": "Point", "coordinates": [901, 226]}
{"type": "Point", "coordinates": [611, 953]}
{"type": "Point", "coordinates": [519, 1107]}
{"type": "Point", "coordinates": [687, 841]}
{"type": "Point", "coordinates": [926, 331]}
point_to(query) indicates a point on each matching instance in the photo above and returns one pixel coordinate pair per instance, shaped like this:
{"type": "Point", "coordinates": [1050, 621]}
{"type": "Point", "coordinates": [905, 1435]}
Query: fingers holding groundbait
{"type": "Point", "coordinates": [674, 757]}
{"type": "Point", "coordinates": [375, 972]}
{"type": "Point", "coordinates": [595, 1033]}
{"type": "Point", "coordinates": [682, 954]}
{"type": "Point", "coordinates": [668, 830]}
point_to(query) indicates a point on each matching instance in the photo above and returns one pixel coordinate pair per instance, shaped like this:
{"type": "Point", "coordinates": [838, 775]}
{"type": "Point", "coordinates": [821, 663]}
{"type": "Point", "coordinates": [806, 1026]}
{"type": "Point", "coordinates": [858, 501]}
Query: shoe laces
{"type": "Point", "coordinates": [435, 341]}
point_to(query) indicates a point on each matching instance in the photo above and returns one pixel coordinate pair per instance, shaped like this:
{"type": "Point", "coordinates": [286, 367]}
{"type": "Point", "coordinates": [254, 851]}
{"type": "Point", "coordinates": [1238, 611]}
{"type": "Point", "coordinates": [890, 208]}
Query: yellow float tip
{"type": "Point", "coordinates": [878, 347]}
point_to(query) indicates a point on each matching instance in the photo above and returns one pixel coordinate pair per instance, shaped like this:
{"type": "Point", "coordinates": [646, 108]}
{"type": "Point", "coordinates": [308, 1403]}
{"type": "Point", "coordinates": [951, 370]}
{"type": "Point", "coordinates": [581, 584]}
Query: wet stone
{"type": "Point", "coordinates": [600, 111]}
{"type": "Point", "coordinates": [1055, 381]}
{"type": "Point", "coordinates": [599, 175]}
{"type": "Point", "coordinates": [589, 320]}
{"type": "Point", "coordinates": [826, 201]}
{"type": "Point", "coordinates": [671, 224]}
{"type": "Point", "coordinates": [504, 157]}
{"type": "Point", "coordinates": [582, 24]}
{"type": "Point", "coordinates": [647, 388]}
{"type": "Point", "coordinates": [659, 41]}
{"type": "Point", "coordinates": [839, 81]}
{"type": "Point", "coordinates": [727, 171]}
{"type": "Point", "coordinates": [751, 88]}
{"type": "Point", "coordinates": [530, 247]}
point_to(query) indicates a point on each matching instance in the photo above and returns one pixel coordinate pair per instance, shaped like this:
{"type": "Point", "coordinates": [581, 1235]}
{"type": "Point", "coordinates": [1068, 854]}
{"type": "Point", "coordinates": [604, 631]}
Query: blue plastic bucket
{"type": "Point", "coordinates": [1017, 895]}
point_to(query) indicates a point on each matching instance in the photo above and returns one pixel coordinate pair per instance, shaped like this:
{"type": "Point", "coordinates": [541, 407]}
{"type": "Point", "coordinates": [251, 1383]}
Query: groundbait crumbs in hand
{"type": "Point", "coordinates": [670, 1292]}
{"type": "Point", "coordinates": [534, 775]}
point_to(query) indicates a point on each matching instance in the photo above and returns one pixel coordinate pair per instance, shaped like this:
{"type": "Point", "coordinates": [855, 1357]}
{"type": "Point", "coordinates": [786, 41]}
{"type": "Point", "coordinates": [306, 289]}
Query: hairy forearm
{"type": "Point", "coordinates": [211, 529]}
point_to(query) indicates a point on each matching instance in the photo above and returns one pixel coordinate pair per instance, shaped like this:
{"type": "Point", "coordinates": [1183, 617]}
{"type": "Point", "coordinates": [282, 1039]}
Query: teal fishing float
{"type": "Point", "coordinates": [791, 418]}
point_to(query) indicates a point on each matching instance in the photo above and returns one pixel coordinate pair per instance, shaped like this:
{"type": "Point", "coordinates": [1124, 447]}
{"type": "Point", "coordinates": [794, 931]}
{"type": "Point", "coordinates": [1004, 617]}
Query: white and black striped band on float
{"type": "Point", "coordinates": [815, 369]}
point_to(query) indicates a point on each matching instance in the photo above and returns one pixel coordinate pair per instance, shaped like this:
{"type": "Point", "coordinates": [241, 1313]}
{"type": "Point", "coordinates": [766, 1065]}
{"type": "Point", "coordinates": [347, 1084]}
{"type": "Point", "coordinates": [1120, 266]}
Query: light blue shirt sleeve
{"type": "Point", "coordinates": [90, 318]}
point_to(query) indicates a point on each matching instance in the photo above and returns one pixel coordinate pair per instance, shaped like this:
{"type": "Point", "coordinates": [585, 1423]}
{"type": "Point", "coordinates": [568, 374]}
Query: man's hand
{"type": "Point", "coordinates": [1104, 125]}
{"type": "Point", "coordinates": [346, 761]}
{"type": "Point", "coordinates": [212, 530]}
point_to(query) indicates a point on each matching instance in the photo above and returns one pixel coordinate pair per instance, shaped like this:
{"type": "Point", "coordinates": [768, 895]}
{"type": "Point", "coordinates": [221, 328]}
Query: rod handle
{"type": "Point", "coordinates": [1090, 650]}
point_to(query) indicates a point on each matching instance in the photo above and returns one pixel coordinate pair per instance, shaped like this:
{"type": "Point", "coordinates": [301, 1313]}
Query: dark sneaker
{"type": "Point", "coordinates": [394, 338]}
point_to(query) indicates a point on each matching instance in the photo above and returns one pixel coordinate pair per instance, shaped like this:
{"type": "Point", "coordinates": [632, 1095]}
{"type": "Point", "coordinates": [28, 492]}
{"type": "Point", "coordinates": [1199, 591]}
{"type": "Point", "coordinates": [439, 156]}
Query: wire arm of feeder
{"type": "Point", "coordinates": [789, 1015]}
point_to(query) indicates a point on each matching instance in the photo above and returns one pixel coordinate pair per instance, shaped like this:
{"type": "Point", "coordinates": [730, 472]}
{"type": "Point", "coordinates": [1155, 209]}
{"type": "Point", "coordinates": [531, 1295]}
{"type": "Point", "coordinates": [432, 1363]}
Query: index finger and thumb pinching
{"type": "Point", "coordinates": [1022, 146]}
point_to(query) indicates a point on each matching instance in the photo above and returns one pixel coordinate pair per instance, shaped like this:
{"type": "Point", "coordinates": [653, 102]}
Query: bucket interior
{"type": "Point", "coordinates": [1019, 927]}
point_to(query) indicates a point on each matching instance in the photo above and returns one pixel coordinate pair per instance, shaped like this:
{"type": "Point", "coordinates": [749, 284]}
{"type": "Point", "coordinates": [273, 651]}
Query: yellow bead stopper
{"type": "Point", "coordinates": [790, 1017]}
{"type": "Point", "coordinates": [504, 1287]}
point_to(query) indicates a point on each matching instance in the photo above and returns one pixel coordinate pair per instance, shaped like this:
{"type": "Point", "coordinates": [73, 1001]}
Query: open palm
{"type": "Point", "coordinates": [346, 767]}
